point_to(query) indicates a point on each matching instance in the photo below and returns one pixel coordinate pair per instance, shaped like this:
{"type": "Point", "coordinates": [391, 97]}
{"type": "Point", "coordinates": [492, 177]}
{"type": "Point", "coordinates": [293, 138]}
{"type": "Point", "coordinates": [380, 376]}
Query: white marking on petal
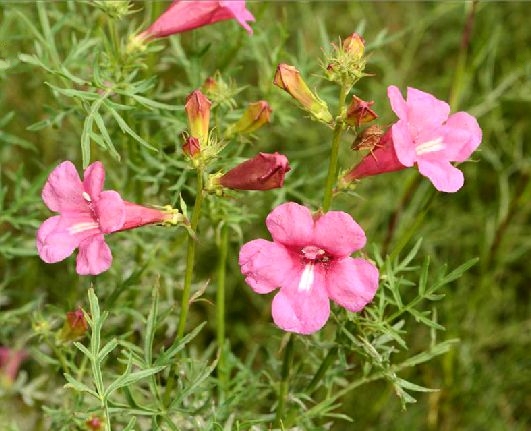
{"type": "Point", "coordinates": [307, 277]}
{"type": "Point", "coordinates": [82, 227]}
{"type": "Point", "coordinates": [430, 146]}
{"type": "Point", "coordinates": [86, 196]}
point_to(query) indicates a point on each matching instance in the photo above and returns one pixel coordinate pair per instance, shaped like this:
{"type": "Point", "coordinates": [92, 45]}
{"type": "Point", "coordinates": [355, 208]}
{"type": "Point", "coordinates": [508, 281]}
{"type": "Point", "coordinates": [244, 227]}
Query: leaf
{"type": "Point", "coordinates": [78, 386]}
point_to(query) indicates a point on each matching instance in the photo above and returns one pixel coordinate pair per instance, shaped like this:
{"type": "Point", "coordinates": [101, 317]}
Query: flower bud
{"type": "Point", "coordinates": [255, 116]}
{"type": "Point", "coordinates": [354, 46]}
{"type": "Point", "coordinates": [289, 79]}
{"type": "Point", "coordinates": [74, 328]}
{"type": "Point", "coordinates": [94, 424]}
{"type": "Point", "coordinates": [383, 159]}
{"type": "Point", "coordinates": [191, 147]}
{"type": "Point", "coordinates": [197, 108]}
{"type": "Point", "coordinates": [262, 172]}
{"type": "Point", "coordinates": [10, 361]}
{"type": "Point", "coordinates": [359, 112]}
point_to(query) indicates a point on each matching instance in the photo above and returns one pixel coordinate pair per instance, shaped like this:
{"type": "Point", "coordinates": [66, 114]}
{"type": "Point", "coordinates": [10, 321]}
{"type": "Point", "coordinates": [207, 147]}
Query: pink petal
{"type": "Point", "coordinates": [425, 111]}
{"type": "Point", "coordinates": [291, 224]}
{"type": "Point", "coordinates": [63, 190]}
{"type": "Point", "coordinates": [111, 211]}
{"type": "Point", "coordinates": [463, 135]}
{"type": "Point", "coordinates": [303, 312]}
{"type": "Point", "coordinates": [267, 265]}
{"type": "Point", "coordinates": [94, 256]}
{"type": "Point", "coordinates": [338, 234]}
{"type": "Point", "coordinates": [54, 243]}
{"type": "Point", "coordinates": [398, 104]}
{"type": "Point", "coordinates": [93, 179]}
{"type": "Point", "coordinates": [352, 283]}
{"type": "Point", "coordinates": [403, 143]}
{"type": "Point", "coordinates": [239, 12]}
{"type": "Point", "coordinates": [444, 176]}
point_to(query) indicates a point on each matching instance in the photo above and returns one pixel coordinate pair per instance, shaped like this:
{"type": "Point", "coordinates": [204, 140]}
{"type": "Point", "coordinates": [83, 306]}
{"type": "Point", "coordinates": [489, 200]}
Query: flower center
{"type": "Point", "coordinates": [311, 253]}
{"type": "Point", "coordinates": [429, 146]}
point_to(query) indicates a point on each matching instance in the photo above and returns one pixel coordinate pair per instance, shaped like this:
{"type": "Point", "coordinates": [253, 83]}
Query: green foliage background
{"type": "Point", "coordinates": [50, 52]}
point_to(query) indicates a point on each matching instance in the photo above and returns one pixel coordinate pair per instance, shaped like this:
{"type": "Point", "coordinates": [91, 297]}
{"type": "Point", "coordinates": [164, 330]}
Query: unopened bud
{"type": "Point", "coordinates": [255, 116]}
{"type": "Point", "coordinates": [359, 112]}
{"type": "Point", "coordinates": [74, 328]}
{"type": "Point", "coordinates": [289, 79]}
{"type": "Point", "coordinates": [197, 108]}
{"type": "Point", "coordinates": [94, 424]}
{"type": "Point", "coordinates": [354, 46]}
{"type": "Point", "coordinates": [191, 147]}
{"type": "Point", "coordinates": [262, 172]}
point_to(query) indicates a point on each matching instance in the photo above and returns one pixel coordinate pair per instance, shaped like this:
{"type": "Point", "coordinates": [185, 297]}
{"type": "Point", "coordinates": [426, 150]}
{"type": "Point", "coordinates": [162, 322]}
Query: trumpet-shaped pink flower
{"type": "Point", "coordinates": [425, 135]}
{"type": "Point", "coordinates": [309, 260]}
{"type": "Point", "coordinates": [185, 15]}
{"type": "Point", "coordinates": [86, 214]}
{"type": "Point", "coordinates": [10, 362]}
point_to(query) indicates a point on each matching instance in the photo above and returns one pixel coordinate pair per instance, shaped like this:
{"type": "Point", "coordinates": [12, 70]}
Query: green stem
{"type": "Point", "coordinates": [327, 361]}
{"type": "Point", "coordinates": [220, 310]}
{"type": "Point", "coordinates": [190, 256]}
{"type": "Point", "coordinates": [334, 153]}
{"type": "Point", "coordinates": [190, 259]}
{"type": "Point", "coordinates": [284, 382]}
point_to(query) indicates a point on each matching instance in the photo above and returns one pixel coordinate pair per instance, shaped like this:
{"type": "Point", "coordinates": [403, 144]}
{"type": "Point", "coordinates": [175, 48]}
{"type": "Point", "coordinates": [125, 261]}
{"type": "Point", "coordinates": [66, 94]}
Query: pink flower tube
{"type": "Point", "coordinates": [10, 362]}
{"type": "Point", "coordinates": [309, 260]}
{"type": "Point", "coordinates": [427, 136]}
{"type": "Point", "coordinates": [86, 214]}
{"type": "Point", "coordinates": [185, 15]}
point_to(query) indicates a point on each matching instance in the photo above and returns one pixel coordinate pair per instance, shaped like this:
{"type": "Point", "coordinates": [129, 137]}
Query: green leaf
{"type": "Point", "coordinates": [78, 386]}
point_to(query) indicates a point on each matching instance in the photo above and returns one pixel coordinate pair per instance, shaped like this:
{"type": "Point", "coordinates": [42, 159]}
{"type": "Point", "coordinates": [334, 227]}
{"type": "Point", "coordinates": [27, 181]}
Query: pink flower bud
{"type": "Point", "coordinates": [10, 361]}
{"type": "Point", "coordinates": [255, 116]}
{"type": "Point", "coordinates": [383, 159]}
{"type": "Point", "coordinates": [288, 78]}
{"type": "Point", "coordinates": [359, 112]}
{"type": "Point", "coordinates": [262, 172]}
{"type": "Point", "coordinates": [197, 108]}
{"type": "Point", "coordinates": [191, 147]}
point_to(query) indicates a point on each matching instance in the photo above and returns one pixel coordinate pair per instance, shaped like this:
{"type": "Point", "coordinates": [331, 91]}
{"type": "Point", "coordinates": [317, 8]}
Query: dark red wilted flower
{"type": "Point", "coordinates": [359, 112]}
{"type": "Point", "coordinates": [263, 172]}
{"type": "Point", "coordinates": [191, 147]}
{"type": "Point", "coordinates": [187, 15]}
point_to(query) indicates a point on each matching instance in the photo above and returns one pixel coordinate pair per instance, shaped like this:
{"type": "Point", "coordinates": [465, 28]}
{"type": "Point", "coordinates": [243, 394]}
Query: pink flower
{"type": "Point", "coordinates": [10, 361]}
{"type": "Point", "coordinates": [427, 136]}
{"type": "Point", "coordinates": [86, 214]}
{"type": "Point", "coordinates": [183, 16]}
{"type": "Point", "coordinates": [309, 260]}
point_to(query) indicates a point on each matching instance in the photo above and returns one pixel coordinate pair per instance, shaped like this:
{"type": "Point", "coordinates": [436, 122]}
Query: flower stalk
{"type": "Point", "coordinates": [220, 310]}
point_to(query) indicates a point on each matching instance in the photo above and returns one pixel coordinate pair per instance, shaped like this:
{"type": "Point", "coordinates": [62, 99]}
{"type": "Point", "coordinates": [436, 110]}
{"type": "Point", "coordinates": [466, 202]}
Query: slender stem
{"type": "Point", "coordinates": [334, 153]}
{"type": "Point", "coordinates": [220, 310]}
{"type": "Point", "coordinates": [327, 361]}
{"type": "Point", "coordinates": [190, 256]}
{"type": "Point", "coordinates": [190, 259]}
{"type": "Point", "coordinates": [284, 382]}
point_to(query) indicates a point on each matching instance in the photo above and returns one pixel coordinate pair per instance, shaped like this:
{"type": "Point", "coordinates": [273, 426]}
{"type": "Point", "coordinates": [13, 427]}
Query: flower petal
{"type": "Point", "coordinates": [93, 179]}
{"type": "Point", "coordinates": [403, 143]}
{"type": "Point", "coordinates": [238, 10]}
{"type": "Point", "coordinates": [94, 256]}
{"type": "Point", "coordinates": [463, 135]}
{"type": "Point", "coordinates": [352, 283]}
{"type": "Point", "coordinates": [63, 190]}
{"type": "Point", "coordinates": [398, 104]}
{"type": "Point", "coordinates": [291, 224]}
{"type": "Point", "coordinates": [302, 311]}
{"type": "Point", "coordinates": [338, 234]}
{"type": "Point", "coordinates": [111, 211]}
{"type": "Point", "coordinates": [444, 176]}
{"type": "Point", "coordinates": [54, 243]}
{"type": "Point", "coordinates": [267, 265]}
{"type": "Point", "coordinates": [425, 111]}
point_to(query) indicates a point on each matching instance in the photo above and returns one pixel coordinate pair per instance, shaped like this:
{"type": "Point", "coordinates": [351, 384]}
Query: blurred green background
{"type": "Point", "coordinates": [476, 55]}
